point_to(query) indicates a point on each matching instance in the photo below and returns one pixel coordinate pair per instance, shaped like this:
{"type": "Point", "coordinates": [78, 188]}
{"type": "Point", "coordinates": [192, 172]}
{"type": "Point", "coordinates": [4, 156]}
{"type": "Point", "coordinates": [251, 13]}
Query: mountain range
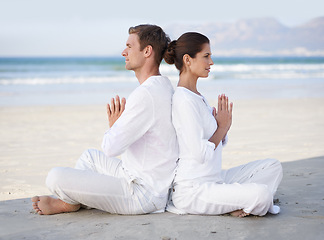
{"type": "Point", "coordinates": [259, 37]}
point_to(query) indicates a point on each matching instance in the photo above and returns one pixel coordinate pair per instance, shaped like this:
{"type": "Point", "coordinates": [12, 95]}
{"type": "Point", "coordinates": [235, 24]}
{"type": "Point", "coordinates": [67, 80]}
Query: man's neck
{"type": "Point", "coordinates": [143, 74]}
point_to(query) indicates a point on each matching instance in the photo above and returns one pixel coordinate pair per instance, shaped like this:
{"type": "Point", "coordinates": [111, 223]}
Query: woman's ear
{"type": "Point", "coordinates": [186, 59]}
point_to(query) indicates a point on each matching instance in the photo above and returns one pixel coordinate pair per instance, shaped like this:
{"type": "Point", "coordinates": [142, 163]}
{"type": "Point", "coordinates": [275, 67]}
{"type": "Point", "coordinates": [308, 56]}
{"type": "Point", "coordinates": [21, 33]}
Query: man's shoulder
{"type": "Point", "coordinates": [158, 86]}
{"type": "Point", "coordinates": [139, 92]}
{"type": "Point", "coordinates": [154, 88]}
{"type": "Point", "coordinates": [157, 81]}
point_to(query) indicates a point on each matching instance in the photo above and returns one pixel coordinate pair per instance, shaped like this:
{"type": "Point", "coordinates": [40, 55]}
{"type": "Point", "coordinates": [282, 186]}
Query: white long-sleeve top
{"type": "Point", "coordinates": [145, 137]}
{"type": "Point", "coordinates": [195, 124]}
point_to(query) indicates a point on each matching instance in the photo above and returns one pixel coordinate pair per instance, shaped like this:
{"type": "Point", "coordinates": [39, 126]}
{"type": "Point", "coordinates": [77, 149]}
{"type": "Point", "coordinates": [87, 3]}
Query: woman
{"type": "Point", "coordinates": [200, 185]}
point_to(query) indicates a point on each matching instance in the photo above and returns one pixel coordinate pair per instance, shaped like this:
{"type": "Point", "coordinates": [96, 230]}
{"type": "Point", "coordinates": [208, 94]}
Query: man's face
{"type": "Point", "coordinates": [134, 58]}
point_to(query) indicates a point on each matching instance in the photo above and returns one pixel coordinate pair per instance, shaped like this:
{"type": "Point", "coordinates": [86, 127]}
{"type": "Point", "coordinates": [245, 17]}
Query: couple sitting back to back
{"type": "Point", "coordinates": [166, 139]}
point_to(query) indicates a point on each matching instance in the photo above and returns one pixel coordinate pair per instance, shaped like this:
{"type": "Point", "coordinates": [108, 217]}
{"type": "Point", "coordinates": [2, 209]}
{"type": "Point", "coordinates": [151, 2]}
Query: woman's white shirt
{"type": "Point", "coordinates": [195, 124]}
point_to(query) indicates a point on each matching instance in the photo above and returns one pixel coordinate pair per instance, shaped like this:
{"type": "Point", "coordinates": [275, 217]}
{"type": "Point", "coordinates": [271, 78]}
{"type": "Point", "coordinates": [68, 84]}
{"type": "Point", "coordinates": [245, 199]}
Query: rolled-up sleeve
{"type": "Point", "coordinates": [134, 122]}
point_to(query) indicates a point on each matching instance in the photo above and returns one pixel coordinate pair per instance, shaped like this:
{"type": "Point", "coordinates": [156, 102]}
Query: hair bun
{"type": "Point", "coordinates": [170, 54]}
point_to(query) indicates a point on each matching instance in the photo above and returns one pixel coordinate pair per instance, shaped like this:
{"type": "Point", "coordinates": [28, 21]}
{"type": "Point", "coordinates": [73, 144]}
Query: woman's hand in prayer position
{"type": "Point", "coordinates": [223, 117]}
{"type": "Point", "coordinates": [115, 109]}
{"type": "Point", "coordinates": [224, 114]}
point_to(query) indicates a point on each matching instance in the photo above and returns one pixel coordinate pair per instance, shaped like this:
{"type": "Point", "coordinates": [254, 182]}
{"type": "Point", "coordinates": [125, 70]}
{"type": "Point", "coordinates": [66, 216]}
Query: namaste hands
{"type": "Point", "coordinates": [115, 109]}
{"type": "Point", "coordinates": [224, 114]}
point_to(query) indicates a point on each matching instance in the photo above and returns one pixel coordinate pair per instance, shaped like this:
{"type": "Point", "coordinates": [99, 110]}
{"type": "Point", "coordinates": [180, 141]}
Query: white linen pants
{"type": "Point", "coordinates": [100, 182]}
{"type": "Point", "coordinates": [250, 187]}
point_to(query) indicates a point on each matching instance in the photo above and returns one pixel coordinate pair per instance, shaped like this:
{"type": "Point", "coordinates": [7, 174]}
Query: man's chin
{"type": "Point", "coordinates": [128, 67]}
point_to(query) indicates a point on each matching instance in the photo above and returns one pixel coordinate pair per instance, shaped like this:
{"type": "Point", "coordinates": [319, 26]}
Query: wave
{"type": "Point", "coordinates": [264, 67]}
{"type": "Point", "coordinates": [65, 80]}
{"type": "Point", "coordinates": [215, 76]}
{"type": "Point", "coordinates": [285, 75]}
{"type": "Point", "coordinates": [218, 71]}
{"type": "Point", "coordinates": [253, 67]}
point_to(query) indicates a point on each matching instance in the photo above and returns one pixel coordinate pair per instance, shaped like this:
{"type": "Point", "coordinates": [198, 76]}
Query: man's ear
{"type": "Point", "coordinates": [148, 50]}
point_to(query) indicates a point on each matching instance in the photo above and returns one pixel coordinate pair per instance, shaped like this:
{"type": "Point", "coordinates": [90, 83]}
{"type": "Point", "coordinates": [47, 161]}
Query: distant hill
{"type": "Point", "coordinates": [259, 37]}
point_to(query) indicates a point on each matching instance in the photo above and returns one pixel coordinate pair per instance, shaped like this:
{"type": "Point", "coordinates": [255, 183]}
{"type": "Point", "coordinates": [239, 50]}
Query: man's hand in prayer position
{"type": "Point", "coordinates": [115, 109]}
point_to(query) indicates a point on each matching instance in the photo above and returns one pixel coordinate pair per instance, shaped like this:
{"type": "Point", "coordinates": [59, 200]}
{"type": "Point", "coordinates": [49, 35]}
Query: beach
{"type": "Point", "coordinates": [36, 138]}
{"type": "Point", "coordinates": [49, 117]}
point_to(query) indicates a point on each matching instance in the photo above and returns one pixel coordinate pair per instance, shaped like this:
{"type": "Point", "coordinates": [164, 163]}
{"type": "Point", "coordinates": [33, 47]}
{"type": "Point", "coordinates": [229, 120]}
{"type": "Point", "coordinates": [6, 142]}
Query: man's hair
{"type": "Point", "coordinates": [152, 35]}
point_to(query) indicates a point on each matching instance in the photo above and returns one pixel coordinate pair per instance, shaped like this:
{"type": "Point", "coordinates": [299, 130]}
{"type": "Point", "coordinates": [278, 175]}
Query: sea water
{"type": "Point", "coordinates": [67, 80]}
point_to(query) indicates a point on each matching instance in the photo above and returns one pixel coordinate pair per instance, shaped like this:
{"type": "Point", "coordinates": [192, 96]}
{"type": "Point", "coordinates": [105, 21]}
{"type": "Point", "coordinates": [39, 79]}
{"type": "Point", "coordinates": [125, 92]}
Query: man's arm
{"type": "Point", "coordinates": [129, 123]}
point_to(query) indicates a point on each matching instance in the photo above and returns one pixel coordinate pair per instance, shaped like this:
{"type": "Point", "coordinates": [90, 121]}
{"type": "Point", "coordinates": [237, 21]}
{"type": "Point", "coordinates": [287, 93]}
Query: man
{"type": "Point", "coordinates": [141, 131]}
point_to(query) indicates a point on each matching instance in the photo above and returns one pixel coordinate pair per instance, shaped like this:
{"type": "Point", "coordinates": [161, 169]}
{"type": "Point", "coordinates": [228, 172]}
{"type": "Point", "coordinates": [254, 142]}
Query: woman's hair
{"type": "Point", "coordinates": [189, 43]}
{"type": "Point", "coordinates": [152, 35]}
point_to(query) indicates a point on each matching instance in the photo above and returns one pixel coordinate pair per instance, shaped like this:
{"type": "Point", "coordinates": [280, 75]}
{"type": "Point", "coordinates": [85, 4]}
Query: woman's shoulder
{"type": "Point", "coordinates": [182, 94]}
{"type": "Point", "coordinates": [185, 100]}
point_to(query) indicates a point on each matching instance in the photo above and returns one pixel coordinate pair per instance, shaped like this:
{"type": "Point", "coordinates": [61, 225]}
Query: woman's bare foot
{"type": "Point", "coordinates": [46, 205]}
{"type": "Point", "coordinates": [239, 213]}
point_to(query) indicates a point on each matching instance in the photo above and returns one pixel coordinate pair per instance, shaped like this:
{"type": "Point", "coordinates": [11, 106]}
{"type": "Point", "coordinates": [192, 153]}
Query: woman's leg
{"type": "Point", "coordinates": [214, 199]}
{"type": "Point", "coordinates": [267, 171]}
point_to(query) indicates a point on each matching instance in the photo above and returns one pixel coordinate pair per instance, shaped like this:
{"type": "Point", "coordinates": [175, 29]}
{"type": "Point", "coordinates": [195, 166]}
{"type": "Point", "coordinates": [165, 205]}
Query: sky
{"type": "Point", "coordinates": [100, 27]}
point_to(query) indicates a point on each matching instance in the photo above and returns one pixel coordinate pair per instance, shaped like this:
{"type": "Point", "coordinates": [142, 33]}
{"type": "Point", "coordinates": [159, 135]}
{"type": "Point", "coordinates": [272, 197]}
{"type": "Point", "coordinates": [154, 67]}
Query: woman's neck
{"type": "Point", "coordinates": [188, 81]}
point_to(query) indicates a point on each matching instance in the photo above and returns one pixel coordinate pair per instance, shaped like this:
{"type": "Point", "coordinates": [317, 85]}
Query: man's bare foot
{"type": "Point", "coordinates": [239, 213]}
{"type": "Point", "coordinates": [46, 205]}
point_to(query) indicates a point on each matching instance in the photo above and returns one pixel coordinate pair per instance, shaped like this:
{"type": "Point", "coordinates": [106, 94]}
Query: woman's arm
{"type": "Point", "coordinates": [188, 123]}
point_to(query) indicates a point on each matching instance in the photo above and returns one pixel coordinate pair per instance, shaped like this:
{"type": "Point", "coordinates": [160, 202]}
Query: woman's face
{"type": "Point", "coordinates": [200, 65]}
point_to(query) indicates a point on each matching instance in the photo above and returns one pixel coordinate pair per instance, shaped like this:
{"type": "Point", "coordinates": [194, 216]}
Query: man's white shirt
{"type": "Point", "coordinates": [145, 137]}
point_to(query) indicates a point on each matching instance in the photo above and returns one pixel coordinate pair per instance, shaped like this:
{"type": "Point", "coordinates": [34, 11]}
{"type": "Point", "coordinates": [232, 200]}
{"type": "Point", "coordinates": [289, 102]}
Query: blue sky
{"type": "Point", "coordinates": [99, 27]}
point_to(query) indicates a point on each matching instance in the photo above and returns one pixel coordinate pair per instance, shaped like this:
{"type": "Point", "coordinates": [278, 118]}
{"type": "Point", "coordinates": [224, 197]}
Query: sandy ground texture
{"type": "Point", "coordinates": [35, 139]}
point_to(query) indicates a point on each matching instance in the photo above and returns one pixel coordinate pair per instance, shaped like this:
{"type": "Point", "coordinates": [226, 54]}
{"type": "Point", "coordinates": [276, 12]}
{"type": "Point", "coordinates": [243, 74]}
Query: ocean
{"type": "Point", "coordinates": [86, 80]}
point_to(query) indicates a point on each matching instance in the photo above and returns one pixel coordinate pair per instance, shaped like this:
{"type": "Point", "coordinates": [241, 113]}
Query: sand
{"type": "Point", "coordinates": [35, 139]}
